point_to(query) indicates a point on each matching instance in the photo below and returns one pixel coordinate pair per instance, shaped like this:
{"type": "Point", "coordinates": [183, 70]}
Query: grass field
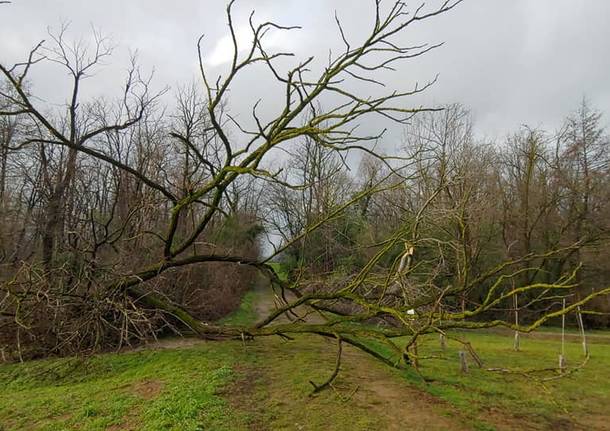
{"type": "Point", "coordinates": [581, 398]}
{"type": "Point", "coordinates": [193, 385]}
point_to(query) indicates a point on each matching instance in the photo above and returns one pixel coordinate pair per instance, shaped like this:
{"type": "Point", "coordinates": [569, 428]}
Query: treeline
{"type": "Point", "coordinates": [151, 213]}
{"type": "Point", "coordinates": [70, 222]}
{"type": "Point", "coordinates": [462, 205]}
{"type": "Point", "coordinates": [457, 205]}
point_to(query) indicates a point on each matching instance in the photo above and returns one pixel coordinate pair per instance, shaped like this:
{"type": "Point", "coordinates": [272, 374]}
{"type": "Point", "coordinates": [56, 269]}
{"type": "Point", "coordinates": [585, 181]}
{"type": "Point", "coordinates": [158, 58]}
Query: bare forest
{"type": "Point", "coordinates": [150, 215]}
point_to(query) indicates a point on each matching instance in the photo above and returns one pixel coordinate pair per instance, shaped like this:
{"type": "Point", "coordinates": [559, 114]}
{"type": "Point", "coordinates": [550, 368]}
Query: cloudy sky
{"type": "Point", "coordinates": [512, 62]}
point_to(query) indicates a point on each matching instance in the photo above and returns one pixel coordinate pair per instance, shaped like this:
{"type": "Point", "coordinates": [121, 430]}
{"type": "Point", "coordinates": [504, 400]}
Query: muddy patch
{"type": "Point", "coordinates": [147, 389]}
{"type": "Point", "coordinates": [143, 389]}
{"type": "Point", "coordinates": [243, 396]}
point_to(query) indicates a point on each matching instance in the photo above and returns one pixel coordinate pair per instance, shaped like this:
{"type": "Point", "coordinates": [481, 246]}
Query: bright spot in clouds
{"type": "Point", "coordinates": [223, 49]}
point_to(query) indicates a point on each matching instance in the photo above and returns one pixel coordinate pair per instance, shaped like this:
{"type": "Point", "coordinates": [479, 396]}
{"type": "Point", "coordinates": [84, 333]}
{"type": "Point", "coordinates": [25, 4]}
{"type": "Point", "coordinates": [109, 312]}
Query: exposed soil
{"type": "Point", "coordinates": [364, 384]}
{"type": "Point", "coordinates": [128, 423]}
{"type": "Point", "coordinates": [267, 303]}
{"type": "Point", "coordinates": [368, 385]}
{"type": "Point", "coordinates": [147, 389]}
{"type": "Point", "coordinates": [397, 402]}
{"type": "Point", "coordinates": [123, 426]}
{"type": "Point", "coordinates": [169, 343]}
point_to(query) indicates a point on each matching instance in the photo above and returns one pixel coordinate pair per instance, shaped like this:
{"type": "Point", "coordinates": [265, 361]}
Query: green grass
{"type": "Point", "coordinates": [246, 313]}
{"type": "Point", "coordinates": [581, 396]}
{"type": "Point", "coordinates": [171, 389]}
{"type": "Point", "coordinates": [235, 386]}
{"type": "Point", "coordinates": [184, 388]}
{"type": "Point", "coordinates": [209, 386]}
{"type": "Point", "coordinates": [280, 269]}
{"type": "Point", "coordinates": [276, 390]}
{"type": "Point", "coordinates": [164, 389]}
{"type": "Point", "coordinates": [167, 389]}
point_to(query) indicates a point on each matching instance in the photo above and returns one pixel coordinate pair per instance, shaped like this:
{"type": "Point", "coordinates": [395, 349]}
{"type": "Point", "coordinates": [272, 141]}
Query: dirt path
{"type": "Point", "coordinates": [267, 302]}
{"type": "Point", "coordinates": [363, 388]}
{"type": "Point", "coordinates": [367, 395]}
{"type": "Point", "coordinates": [272, 389]}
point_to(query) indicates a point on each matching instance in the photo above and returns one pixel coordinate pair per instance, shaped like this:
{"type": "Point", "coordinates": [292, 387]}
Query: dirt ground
{"type": "Point", "coordinates": [363, 384]}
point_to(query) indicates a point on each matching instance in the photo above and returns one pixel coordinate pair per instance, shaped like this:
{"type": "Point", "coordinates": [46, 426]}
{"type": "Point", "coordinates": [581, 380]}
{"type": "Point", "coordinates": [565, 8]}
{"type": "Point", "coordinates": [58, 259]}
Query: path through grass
{"type": "Point", "coordinates": [264, 385]}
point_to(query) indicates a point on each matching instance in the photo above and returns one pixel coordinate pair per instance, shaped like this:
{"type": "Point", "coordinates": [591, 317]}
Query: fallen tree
{"type": "Point", "coordinates": [394, 305]}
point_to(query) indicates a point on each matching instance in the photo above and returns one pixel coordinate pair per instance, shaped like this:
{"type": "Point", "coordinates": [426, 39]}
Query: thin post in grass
{"type": "Point", "coordinates": [562, 362]}
{"type": "Point", "coordinates": [463, 362]}
{"type": "Point", "coordinates": [581, 327]}
{"type": "Point", "coordinates": [516, 305]}
{"type": "Point", "coordinates": [443, 341]}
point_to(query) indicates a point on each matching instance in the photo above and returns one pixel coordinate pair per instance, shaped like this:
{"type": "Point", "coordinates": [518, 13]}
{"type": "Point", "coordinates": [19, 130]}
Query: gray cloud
{"type": "Point", "coordinates": [512, 62]}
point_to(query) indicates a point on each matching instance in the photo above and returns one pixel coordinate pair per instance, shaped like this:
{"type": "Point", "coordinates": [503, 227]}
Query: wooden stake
{"type": "Point", "coordinates": [581, 326]}
{"type": "Point", "coordinates": [516, 305]}
{"type": "Point", "coordinates": [443, 341]}
{"type": "Point", "coordinates": [463, 362]}
{"type": "Point", "coordinates": [562, 361]}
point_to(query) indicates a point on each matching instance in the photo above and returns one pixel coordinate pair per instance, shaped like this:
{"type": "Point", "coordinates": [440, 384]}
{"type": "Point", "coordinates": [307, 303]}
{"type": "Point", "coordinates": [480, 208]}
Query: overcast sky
{"type": "Point", "coordinates": [511, 61]}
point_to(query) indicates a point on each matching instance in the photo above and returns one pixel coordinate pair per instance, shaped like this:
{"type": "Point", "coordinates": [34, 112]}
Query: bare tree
{"type": "Point", "coordinates": [194, 188]}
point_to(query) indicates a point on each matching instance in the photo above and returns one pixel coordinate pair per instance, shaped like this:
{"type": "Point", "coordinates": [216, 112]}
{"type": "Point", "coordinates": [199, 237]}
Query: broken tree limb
{"type": "Point", "coordinates": [333, 376]}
